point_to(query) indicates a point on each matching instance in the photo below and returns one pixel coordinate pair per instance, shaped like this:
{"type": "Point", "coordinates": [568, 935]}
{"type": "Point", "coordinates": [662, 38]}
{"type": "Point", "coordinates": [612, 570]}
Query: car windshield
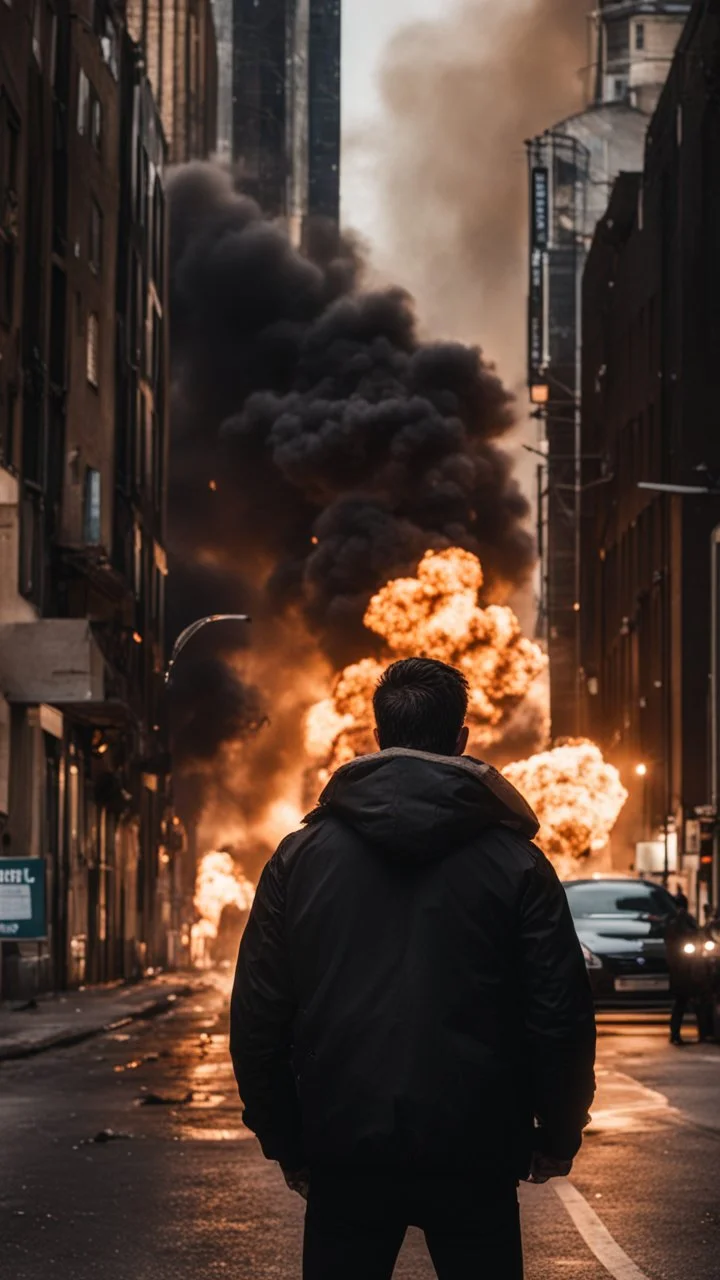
{"type": "Point", "coordinates": [618, 898]}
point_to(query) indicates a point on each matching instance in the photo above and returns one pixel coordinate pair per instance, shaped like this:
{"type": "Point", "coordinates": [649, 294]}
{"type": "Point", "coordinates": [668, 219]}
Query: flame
{"type": "Point", "coordinates": [577, 797]}
{"type": "Point", "coordinates": [219, 883]}
{"type": "Point", "coordinates": [435, 615]}
{"type": "Point", "coordinates": [575, 793]}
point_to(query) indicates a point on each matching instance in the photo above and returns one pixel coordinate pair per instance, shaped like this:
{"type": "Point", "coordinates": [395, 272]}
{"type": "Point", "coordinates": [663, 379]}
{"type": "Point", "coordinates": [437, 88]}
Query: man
{"type": "Point", "coordinates": [685, 967]}
{"type": "Point", "coordinates": [412, 1026]}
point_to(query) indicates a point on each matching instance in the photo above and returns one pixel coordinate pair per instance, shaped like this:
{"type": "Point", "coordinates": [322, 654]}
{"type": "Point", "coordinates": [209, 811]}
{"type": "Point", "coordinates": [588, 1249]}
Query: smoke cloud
{"type": "Point", "coordinates": [318, 447]}
{"type": "Point", "coordinates": [459, 97]}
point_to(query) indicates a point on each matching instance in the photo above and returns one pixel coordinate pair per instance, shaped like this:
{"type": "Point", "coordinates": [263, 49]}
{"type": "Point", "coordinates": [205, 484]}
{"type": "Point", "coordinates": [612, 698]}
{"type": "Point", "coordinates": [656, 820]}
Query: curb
{"type": "Point", "coordinates": [65, 1039]}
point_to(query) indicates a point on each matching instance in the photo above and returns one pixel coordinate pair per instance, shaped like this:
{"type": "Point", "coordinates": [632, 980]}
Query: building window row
{"type": "Point", "coordinates": [89, 112]}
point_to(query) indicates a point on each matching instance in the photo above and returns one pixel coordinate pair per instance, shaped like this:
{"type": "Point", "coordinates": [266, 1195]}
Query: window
{"type": "Point", "coordinates": [58, 326]}
{"type": "Point", "coordinates": [158, 598]}
{"type": "Point", "coordinates": [158, 245]}
{"type": "Point", "coordinates": [157, 346]}
{"type": "Point", "coordinates": [639, 36]}
{"type": "Point", "coordinates": [53, 48]}
{"type": "Point", "coordinates": [96, 122]}
{"type": "Point", "coordinates": [92, 531]}
{"type": "Point", "coordinates": [9, 137]}
{"type": "Point", "coordinates": [83, 103]}
{"type": "Point", "coordinates": [93, 349]}
{"type": "Point", "coordinates": [37, 32]}
{"type": "Point", "coordinates": [109, 46]}
{"type": "Point", "coordinates": [95, 237]}
{"type": "Point", "coordinates": [630, 897]}
{"type": "Point", "coordinates": [137, 560]}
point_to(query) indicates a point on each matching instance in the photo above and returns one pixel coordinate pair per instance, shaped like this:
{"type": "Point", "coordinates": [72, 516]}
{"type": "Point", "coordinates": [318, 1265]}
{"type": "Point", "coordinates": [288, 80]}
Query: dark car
{"type": "Point", "coordinates": [621, 925]}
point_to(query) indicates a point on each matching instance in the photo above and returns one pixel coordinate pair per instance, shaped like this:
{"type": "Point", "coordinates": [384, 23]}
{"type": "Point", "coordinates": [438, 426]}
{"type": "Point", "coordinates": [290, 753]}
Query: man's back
{"type": "Point", "coordinates": [440, 996]}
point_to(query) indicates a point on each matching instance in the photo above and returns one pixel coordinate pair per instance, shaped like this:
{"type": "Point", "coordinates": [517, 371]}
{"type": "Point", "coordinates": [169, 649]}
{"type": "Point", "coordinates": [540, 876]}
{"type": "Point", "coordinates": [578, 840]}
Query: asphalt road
{"type": "Point", "coordinates": [181, 1192]}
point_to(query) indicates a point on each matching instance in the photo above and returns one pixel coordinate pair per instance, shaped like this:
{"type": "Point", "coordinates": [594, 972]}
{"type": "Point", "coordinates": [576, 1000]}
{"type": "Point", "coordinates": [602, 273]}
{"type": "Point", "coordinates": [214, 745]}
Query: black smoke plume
{"type": "Point", "coordinates": [318, 447]}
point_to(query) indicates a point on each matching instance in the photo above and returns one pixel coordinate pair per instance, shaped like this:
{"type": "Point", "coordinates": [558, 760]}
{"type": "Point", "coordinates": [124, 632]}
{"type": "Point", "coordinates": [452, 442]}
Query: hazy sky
{"type": "Point", "coordinates": [368, 25]}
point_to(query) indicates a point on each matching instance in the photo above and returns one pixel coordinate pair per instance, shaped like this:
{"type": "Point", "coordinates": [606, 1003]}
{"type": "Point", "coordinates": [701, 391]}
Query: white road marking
{"type": "Point", "coordinates": [595, 1233]}
{"type": "Point", "coordinates": [624, 1103]}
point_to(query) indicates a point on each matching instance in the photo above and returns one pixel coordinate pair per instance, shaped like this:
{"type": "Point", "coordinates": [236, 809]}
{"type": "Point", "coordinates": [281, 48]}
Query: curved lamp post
{"type": "Point", "coordinates": [193, 629]}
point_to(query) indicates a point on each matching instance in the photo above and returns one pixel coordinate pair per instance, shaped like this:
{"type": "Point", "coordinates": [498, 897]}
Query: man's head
{"type": "Point", "coordinates": [421, 705]}
{"type": "Point", "coordinates": [681, 900]}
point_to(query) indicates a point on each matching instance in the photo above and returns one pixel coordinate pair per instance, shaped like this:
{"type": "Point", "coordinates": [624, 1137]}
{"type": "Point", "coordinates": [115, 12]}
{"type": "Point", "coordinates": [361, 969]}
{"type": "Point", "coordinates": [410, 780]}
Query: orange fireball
{"type": "Point", "coordinates": [577, 797]}
{"type": "Point", "coordinates": [434, 615]}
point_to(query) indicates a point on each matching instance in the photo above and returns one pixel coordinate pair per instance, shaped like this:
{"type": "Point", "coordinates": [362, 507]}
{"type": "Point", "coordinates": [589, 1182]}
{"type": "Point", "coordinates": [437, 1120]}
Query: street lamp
{"type": "Point", "coordinates": [710, 489]}
{"type": "Point", "coordinates": [193, 629]}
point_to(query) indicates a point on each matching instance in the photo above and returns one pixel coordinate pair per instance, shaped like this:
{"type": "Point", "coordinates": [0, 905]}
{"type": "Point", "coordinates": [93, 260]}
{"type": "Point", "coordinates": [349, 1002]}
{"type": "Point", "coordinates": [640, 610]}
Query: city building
{"type": "Point", "coordinates": [650, 386]}
{"type": "Point", "coordinates": [573, 166]}
{"type": "Point", "coordinates": [286, 102]}
{"type": "Point", "coordinates": [178, 41]}
{"type": "Point", "coordinates": [635, 43]}
{"type": "Point", "coordinates": [84, 764]}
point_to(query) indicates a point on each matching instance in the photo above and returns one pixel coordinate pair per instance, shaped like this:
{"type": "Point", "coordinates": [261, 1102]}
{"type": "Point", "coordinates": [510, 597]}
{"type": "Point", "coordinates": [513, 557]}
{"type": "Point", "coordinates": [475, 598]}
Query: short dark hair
{"type": "Point", "coordinates": [421, 704]}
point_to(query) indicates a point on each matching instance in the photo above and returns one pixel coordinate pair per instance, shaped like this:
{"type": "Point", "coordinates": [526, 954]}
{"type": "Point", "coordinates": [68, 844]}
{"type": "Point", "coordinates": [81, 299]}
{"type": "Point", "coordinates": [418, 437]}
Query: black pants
{"type": "Point", "coordinates": [703, 1003]}
{"type": "Point", "coordinates": [355, 1226]}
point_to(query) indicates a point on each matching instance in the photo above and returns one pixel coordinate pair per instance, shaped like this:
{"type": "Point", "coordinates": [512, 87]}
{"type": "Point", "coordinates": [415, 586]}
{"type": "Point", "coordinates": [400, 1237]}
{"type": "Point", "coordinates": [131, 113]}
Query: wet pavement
{"type": "Point", "coordinates": [125, 1157]}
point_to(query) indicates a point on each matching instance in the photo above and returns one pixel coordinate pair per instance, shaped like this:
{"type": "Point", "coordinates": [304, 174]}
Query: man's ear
{"type": "Point", "coordinates": [462, 741]}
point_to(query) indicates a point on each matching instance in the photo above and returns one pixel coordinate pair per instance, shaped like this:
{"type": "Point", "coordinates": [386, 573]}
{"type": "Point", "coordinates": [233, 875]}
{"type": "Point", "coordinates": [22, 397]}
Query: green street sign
{"type": "Point", "coordinates": [23, 915]}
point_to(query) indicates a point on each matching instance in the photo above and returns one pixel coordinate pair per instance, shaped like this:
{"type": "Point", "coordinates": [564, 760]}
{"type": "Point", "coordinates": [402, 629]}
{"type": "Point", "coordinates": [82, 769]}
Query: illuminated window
{"type": "Point", "coordinates": [83, 103]}
{"type": "Point", "coordinates": [93, 349]}
{"type": "Point", "coordinates": [37, 32]}
{"type": "Point", "coordinates": [96, 123]}
{"type": "Point", "coordinates": [92, 532]}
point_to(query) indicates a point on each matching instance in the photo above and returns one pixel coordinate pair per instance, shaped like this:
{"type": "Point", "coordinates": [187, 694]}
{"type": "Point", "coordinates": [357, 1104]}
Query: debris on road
{"type": "Point", "coordinates": [110, 1135]}
{"type": "Point", "coordinates": [164, 1100]}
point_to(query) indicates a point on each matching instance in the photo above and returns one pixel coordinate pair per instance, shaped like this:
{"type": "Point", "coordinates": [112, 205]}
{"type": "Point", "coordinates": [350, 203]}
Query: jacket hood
{"type": "Point", "coordinates": [419, 807]}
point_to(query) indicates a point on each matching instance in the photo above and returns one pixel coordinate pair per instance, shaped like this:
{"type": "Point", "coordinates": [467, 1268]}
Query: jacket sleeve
{"type": "Point", "coordinates": [262, 1014]}
{"type": "Point", "coordinates": [559, 1014]}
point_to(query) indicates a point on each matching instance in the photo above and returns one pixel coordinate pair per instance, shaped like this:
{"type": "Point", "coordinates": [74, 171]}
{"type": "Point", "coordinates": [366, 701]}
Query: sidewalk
{"type": "Point", "coordinates": [72, 1016]}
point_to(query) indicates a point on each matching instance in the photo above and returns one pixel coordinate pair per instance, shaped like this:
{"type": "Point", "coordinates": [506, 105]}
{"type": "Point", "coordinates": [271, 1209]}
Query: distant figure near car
{"type": "Point", "coordinates": [412, 1026]}
{"type": "Point", "coordinates": [681, 941]}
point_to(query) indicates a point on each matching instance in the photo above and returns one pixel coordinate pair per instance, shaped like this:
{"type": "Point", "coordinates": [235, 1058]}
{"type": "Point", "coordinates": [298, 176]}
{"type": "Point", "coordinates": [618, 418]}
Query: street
{"type": "Point", "coordinates": [126, 1156]}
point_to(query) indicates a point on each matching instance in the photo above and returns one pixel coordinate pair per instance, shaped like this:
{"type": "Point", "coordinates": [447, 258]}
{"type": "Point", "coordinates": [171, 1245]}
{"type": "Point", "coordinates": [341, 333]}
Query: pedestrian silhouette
{"type": "Point", "coordinates": [684, 964]}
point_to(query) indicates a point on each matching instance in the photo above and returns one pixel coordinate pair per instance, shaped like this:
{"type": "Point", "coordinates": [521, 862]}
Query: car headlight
{"type": "Point", "coordinates": [689, 948]}
{"type": "Point", "coordinates": [710, 945]}
{"type": "Point", "coordinates": [591, 960]}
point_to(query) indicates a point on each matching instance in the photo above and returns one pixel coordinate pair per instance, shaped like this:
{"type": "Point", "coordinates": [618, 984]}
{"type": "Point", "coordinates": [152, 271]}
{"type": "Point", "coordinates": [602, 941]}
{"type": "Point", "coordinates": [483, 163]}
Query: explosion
{"type": "Point", "coordinates": [223, 895]}
{"type": "Point", "coordinates": [319, 448]}
{"type": "Point", "coordinates": [577, 797]}
{"type": "Point", "coordinates": [434, 615]}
